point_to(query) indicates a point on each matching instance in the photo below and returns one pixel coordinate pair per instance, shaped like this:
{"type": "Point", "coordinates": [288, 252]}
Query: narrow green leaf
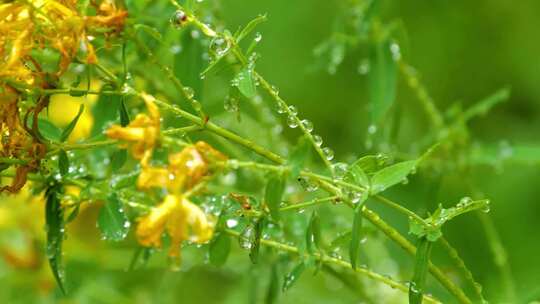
{"type": "Point", "coordinates": [250, 27]}
{"type": "Point", "coordinates": [256, 240]}
{"type": "Point", "coordinates": [124, 115]}
{"type": "Point", "coordinates": [356, 236]}
{"type": "Point", "coordinates": [153, 32]}
{"type": "Point", "coordinates": [48, 130]}
{"type": "Point", "coordinates": [392, 175]}
{"type": "Point", "coordinates": [370, 163]}
{"type": "Point", "coordinates": [313, 233]}
{"type": "Point", "coordinates": [63, 162]}
{"type": "Point", "coordinates": [245, 82]}
{"type": "Point", "coordinates": [417, 285]}
{"type": "Point", "coordinates": [219, 249]}
{"type": "Point", "coordinates": [484, 105]}
{"type": "Point", "coordinates": [112, 220]}
{"type": "Point", "coordinates": [358, 176]}
{"type": "Point", "coordinates": [105, 110]}
{"type": "Point", "coordinates": [273, 286]}
{"type": "Point", "coordinates": [118, 159]}
{"type": "Point", "coordinates": [67, 131]}
{"type": "Point", "coordinates": [382, 79]}
{"type": "Point", "coordinates": [299, 156]}
{"type": "Point", "coordinates": [189, 62]}
{"type": "Point", "coordinates": [293, 276]}
{"type": "Point", "coordinates": [54, 221]}
{"type": "Point", "coordinates": [274, 193]}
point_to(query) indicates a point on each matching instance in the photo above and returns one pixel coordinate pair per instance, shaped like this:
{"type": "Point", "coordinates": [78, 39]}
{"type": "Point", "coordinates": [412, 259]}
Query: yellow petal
{"type": "Point", "coordinates": [200, 225]}
{"type": "Point", "coordinates": [152, 177]}
{"type": "Point", "coordinates": [151, 226]}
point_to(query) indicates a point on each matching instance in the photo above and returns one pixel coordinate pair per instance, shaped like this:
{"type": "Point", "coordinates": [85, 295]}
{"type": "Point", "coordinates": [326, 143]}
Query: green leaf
{"type": "Point", "coordinates": [124, 115]}
{"type": "Point", "coordinates": [299, 156]}
{"type": "Point", "coordinates": [63, 162]}
{"type": "Point", "coordinates": [112, 220]}
{"type": "Point", "coordinates": [382, 79]}
{"type": "Point", "coordinates": [118, 159]}
{"type": "Point", "coordinates": [48, 130]}
{"type": "Point", "coordinates": [274, 193]}
{"type": "Point", "coordinates": [417, 285]}
{"type": "Point", "coordinates": [246, 83]}
{"type": "Point", "coordinates": [356, 236]}
{"type": "Point", "coordinates": [54, 221]}
{"type": "Point", "coordinates": [105, 110]}
{"type": "Point", "coordinates": [250, 27]}
{"type": "Point", "coordinates": [484, 105]}
{"type": "Point", "coordinates": [256, 240]}
{"type": "Point", "coordinates": [189, 63]}
{"type": "Point", "coordinates": [358, 176]}
{"type": "Point", "coordinates": [273, 287]}
{"type": "Point", "coordinates": [392, 175]}
{"type": "Point", "coordinates": [293, 276]}
{"type": "Point", "coordinates": [153, 32]}
{"type": "Point", "coordinates": [67, 131]}
{"type": "Point", "coordinates": [370, 164]}
{"type": "Point", "coordinates": [219, 249]}
{"type": "Point", "coordinates": [313, 233]}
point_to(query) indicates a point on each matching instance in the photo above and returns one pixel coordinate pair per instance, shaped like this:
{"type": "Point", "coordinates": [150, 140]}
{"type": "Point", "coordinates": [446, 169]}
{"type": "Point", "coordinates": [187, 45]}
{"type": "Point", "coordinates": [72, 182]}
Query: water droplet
{"type": "Point", "coordinates": [178, 19]}
{"type": "Point", "coordinates": [292, 121]}
{"type": "Point", "coordinates": [189, 92]}
{"type": "Point", "coordinates": [258, 37]}
{"type": "Point", "coordinates": [486, 207]}
{"type": "Point", "coordinates": [293, 110]}
{"type": "Point", "coordinates": [372, 129]}
{"type": "Point", "coordinates": [231, 104]}
{"type": "Point", "coordinates": [219, 46]}
{"type": "Point", "coordinates": [275, 90]}
{"type": "Point", "coordinates": [231, 223]}
{"type": "Point", "coordinates": [340, 170]}
{"type": "Point", "coordinates": [307, 184]}
{"type": "Point", "coordinates": [281, 108]}
{"type": "Point", "coordinates": [128, 90]}
{"type": "Point", "coordinates": [233, 164]}
{"type": "Point", "coordinates": [245, 238]}
{"type": "Point", "coordinates": [405, 181]}
{"type": "Point", "coordinates": [464, 202]}
{"type": "Point", "coordinates": [318, 140]}
{"type": "Point", "coordinates": [355, 196]}
{"type": "Point", "coordinates": [176, 49]}
{"type": "Point", "coordinates": [364, 67]}
{"type": "Point", "coordinates": [395, 50]}
{"type": "Point", "coordinates": [328, 153]}
{"type": "Point", "coordinates": [308, 125]}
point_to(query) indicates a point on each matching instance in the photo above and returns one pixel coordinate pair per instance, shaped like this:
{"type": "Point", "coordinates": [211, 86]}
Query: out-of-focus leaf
{"type": "Point", "coordinates": [112, 220]}
{"type": "Point", "coordinates": [417, 285]}
{"type": "Point", "coordinates": [124, 115]}
{"type": "Point", "coordinates": [273, 286]}
{"type": "Point", "coordinates": [274, 193]}
{"type": "Point", "coordinates": [382, 79]}
{"type": "Point", "coordinates": [69, 128]}
{"type": "Point", "coordinates": [299, 156]}
{"type": "Point", "coordinates": [189, 62]}
{"type": "Point", "coordinates": [153, 32]}
{"type": "Point", "coordinates": [63, 162]}
{"type": "Point", "coordinates": [105, 110]}
{"type": "Point", "coordinates": [494, 154]}
{"type": "Point", "coordinates": [369, 10]}
{"type": "Point", "coordinates": [392, 175]}
{"type": "Point", "coordinates": [118, 159]}
{"type": "Point", "coordinates": [313, 233]}
{"type": "Point", "coordinates": [356, 236]}
{"type": "Point", "coordinates": [219, 249]}
{"type": "Point", "coordinates": [293, 276]}
{"type": "Point", "coordinates": [54, 221]}
{"type": "Point", "coordinates": [256, 241]}
{"type": "Point", "coordinates": [484, 105]}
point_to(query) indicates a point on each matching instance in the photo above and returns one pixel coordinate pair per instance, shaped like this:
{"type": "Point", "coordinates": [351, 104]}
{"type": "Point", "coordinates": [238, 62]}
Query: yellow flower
{"type": "Point", "coordinates": [183, 221]}
{"type": "Point", "coordinates": [142, 133]}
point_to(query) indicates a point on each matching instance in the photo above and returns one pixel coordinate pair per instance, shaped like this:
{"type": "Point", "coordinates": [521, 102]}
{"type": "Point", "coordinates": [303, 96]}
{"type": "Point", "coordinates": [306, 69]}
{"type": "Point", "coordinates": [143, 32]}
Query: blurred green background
{"type": "Point", "coordinates": [463, 50]}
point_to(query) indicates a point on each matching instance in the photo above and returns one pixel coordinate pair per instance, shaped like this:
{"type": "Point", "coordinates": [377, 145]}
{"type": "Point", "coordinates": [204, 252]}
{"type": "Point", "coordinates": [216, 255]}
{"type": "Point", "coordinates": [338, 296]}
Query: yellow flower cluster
{"type": "Point", "coordinates": [180, 218]}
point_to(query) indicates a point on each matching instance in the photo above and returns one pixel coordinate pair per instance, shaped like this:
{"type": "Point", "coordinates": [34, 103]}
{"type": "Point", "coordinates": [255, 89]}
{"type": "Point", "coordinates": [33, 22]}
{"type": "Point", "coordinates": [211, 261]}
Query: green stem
{"type": "Point", "coordinates": [335, 261]}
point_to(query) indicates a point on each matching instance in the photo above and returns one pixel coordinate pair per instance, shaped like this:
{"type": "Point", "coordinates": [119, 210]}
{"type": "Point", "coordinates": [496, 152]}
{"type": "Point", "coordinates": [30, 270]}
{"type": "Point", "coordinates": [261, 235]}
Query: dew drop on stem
{"type": "Point", "coordinates": [178, 19]}
{"type": "Point", "coordinates": [292, 121]}
{"type": "Point", "coordinates": [340, 169]}
{"type": "Point", "coordinates": [258, 37]}
{"type": "Point", "coordinates": [245, 237]}
{"type": "Point", "coordinates": [328, 153]}
{"type": "Point", "coordinates": [308, 125]}
{"type": "Point", "coordinates": [318, 140]}
{"type": "Point", "coordinates": [189, 92]}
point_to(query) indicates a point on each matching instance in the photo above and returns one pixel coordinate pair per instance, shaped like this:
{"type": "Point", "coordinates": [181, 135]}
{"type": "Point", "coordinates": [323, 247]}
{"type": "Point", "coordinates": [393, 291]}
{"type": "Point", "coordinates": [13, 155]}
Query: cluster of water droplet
{"type": "Point", "coordinates": [178, 19]}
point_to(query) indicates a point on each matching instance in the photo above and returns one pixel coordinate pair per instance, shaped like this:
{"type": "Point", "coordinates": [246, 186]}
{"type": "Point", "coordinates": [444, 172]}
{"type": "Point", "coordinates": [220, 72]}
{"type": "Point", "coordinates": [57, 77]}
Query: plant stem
{"type": "Point", "coordinates": [335, 261]}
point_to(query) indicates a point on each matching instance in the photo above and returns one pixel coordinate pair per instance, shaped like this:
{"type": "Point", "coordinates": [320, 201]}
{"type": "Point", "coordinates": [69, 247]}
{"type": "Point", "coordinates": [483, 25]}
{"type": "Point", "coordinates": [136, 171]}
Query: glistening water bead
{"type": "Point", "coordinates": [179, 19]}
{"type": "Point", "coordinates": [308, 125]}
{"type": "Point", "coordinates": [328, 153]}
{"type": "Point", "coordinates": [318, 140]}
{"type": "Point", "coordinates": [292, 121]}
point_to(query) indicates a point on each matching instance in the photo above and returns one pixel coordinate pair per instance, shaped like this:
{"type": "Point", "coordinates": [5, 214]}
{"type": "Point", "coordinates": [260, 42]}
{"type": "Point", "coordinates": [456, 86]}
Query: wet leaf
{"type": "Point", "coordinates": [273, 286]}
{"type": "Point", "coordinates": [313, 233]}
{"type": "Point", "coordinates": [124, 115]}
{"type": "Point", "coordinates": [382, 79]}
{"type": "Point", "coordinates": [274, 193]}
{"type": "Point", "coordinates": [67, 131]}
{"type": "Point", "coordinates": [118, 159]}
{"type": "Point", "coordinates": [246, 83]}
{"type": "Point", "coordinates": [417, 285]}
{"type": "Point", "coordinates": [293, 276]}
{"type": "Point", "coordinates": [299, 156]}
{"type": "Point", "coordinates": [112, 220]}
{"type": "Point", "coordinates": [256, 240]}
{"type": "Point", "coordinates": [219, 249]}
{"type": "Point", "coordinates": [392, 175]}
{"type": "Point", "coordinates": [54, 221]}
{"type": "Point", "coordinates": [356, 236]}
{"type": "Point", "coordinates": [63, 162]}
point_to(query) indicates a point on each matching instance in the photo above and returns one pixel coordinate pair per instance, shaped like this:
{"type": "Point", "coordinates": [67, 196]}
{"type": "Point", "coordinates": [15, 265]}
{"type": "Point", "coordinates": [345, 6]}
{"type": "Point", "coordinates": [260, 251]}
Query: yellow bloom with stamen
{"type": "Point", "coordinates": [142, 133]}
{"type": "Point", "coordinates": [183, 221]}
